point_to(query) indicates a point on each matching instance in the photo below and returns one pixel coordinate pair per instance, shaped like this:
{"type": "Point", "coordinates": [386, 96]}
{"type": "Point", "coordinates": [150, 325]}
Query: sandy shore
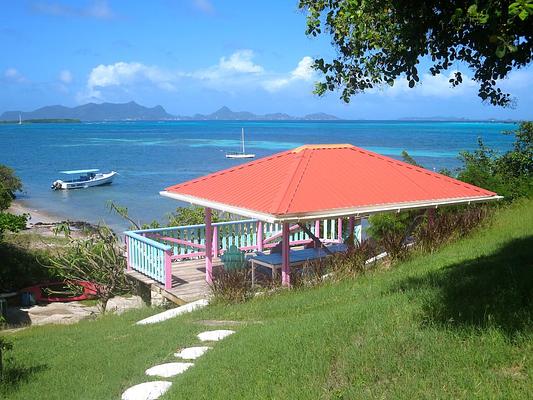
{"type": "Point", "coordinates": [19, 207]}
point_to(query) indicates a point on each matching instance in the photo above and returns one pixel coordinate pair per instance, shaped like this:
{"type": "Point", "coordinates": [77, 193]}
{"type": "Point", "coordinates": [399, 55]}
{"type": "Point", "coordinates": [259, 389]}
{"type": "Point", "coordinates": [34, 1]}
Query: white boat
{"type": "Point", "coordinates": [86, 178]}
{"type": "Point", "coordinates": [238, 154]}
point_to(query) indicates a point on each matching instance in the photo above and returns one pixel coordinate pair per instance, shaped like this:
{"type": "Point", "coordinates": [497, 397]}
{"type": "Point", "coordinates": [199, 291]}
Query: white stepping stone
{"type": "Point", "coordinates": [214, 336]}
{"type": "Point", "coordinates": [174, 312]}
{"type": "Point", "coordinates": [146, 391]}
{"type": "Point", "coordinates": [169, 369]}
{"type": "Point", "coordinates": [192, 353]}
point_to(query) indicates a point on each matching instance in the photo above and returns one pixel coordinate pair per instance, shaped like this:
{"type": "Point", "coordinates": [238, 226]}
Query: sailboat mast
{"type": "Point", "coordinates": [242, 135]}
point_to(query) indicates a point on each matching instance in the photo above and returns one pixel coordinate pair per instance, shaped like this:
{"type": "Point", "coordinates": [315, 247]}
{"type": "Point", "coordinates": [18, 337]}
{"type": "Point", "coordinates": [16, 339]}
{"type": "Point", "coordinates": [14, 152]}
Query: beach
{"type": "Point", "coordinates": [19, 207]}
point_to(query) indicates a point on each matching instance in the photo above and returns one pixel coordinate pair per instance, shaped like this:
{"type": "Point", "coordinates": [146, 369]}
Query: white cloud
{"type": "Point", "coordinates": [429, 86]}
{"type": "Point", "coordinates": [236, 72]}
{"type": "Point", "coordinates": [126, 74]}
{"type": "Point", "coordinates": [13, 75]}
{"type": "Point", "coordinates": [303, 72]}
{"type": "Point", "coordinates": [237, 64]}
{"type": "Point", "coordinates": [204, 6]}
{"type": "Point", "coordinates": [99, 9]}
{"type": "Point", "coordinates": [65, 76]}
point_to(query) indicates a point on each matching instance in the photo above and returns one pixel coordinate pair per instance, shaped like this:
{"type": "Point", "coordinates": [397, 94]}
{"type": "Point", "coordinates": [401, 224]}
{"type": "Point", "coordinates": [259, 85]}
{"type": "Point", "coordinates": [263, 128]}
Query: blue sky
{"type": "Point", "coordinates": [195, 56]}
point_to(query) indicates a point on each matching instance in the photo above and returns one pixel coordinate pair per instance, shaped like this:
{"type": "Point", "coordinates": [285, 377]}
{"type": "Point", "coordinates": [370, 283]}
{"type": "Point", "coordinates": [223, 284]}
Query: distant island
{"type": "Point", "coordinates": [42, 121]}
{"type": "Point", "coordinates": [135, 112]}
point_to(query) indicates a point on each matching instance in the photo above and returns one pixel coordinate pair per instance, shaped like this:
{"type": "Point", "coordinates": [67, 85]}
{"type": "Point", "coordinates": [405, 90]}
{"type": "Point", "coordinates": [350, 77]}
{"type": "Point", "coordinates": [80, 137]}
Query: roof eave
{"type": "Point", "coordinates": [346, 212]}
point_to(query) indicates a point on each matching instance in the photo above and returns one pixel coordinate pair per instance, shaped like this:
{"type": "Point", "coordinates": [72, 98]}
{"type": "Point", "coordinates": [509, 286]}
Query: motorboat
{"type": "Point", "coordinates": [86, 178]}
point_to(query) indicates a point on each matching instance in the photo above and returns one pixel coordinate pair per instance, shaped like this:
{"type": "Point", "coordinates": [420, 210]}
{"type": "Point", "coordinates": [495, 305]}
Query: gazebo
{"type": "Point", "coordinates": [316, 182]}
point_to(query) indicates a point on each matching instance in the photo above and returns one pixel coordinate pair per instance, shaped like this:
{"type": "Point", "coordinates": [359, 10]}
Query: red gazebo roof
{"type": "Point", "coordinates": [322, 181]}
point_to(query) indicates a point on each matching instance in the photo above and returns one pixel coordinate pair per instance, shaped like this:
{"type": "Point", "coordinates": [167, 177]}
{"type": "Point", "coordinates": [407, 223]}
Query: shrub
{"type": "Point", "coordinates": [11, 222]}
{"type": "Point", "coordinates": [98, 259]}
{"type": "Point", "coordinates": [234, 286]}
{"type": "Point", "coordinates": [391, 231]}
{"type": "Point", "coordinates": [9, 185]}
{"type": "Point", "coordinates": [449, 223]}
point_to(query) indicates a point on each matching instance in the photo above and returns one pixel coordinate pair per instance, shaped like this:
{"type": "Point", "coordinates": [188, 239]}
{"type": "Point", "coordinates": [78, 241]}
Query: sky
{"type": "Point", "coordinates": [195, 56]}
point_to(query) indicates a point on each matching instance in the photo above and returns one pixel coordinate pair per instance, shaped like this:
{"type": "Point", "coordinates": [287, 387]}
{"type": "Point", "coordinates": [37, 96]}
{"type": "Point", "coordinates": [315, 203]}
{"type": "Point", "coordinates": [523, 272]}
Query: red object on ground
{"type": "Point", "coordinates": [40, 296]}
{"type": "Point", "coordinates": [322, 181]}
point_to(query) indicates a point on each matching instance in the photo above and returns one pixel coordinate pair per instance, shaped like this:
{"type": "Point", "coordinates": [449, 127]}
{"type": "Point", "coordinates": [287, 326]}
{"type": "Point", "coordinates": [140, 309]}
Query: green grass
{"type": "Point", "coordinates": [454, 324]}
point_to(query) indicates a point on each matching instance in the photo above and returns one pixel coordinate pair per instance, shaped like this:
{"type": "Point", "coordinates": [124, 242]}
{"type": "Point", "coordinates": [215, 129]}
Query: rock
{"type": "Point", "coordinates": [146, 391]}
{"type": "Point", "coordinates": [192, 353]}
{"type": "Point", "coordinates": [169, 369]}
{"type": "Point", "coordinates": [174, 312]}
{"type": "Point", "coordinates": [119, 304]}
{"type": "Point", "coordinates": [214, 336]}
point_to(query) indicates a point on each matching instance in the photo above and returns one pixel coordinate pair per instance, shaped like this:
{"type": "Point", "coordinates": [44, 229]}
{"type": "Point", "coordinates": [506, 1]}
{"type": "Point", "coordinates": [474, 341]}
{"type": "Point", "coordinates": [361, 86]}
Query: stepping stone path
{"type": "Point", "coordinates": [169, 369]}
{"type": "Point", "coordinates": [153, 390]}
{"type": "Point", "coordinates": [192, 353]}
{"type": "Point", "coordinates": [214, 336]}
{"type": "Point", "coordinates": [147, 391]}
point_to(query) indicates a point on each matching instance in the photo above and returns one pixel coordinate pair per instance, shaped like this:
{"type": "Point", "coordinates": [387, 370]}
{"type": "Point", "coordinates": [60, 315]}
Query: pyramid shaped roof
{"type": "Point", "coordinates": [324, 181]}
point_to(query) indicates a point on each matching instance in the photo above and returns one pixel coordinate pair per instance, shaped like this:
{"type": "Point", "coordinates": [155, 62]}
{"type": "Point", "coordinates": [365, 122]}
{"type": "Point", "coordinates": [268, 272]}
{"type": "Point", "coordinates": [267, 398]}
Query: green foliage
{"type": "Point", "coordinates": [5, 345]}
{"type": "Point", "coordinates": [98, 259]}
{"type": "Point", "coordinates": [391, 231]}
{"type": "Point", "coordinates": [9, 185]}
{"type": "Point", "coordinates": [406, 157]}
{"type": "Point", "coordinates": [510, 174]}
{"type": "Point", "coordinates": [11, 222]}
{"type": "Point", "coordinates": [192, 215]}
{"type": "Point", "coordinates": [379, 41]}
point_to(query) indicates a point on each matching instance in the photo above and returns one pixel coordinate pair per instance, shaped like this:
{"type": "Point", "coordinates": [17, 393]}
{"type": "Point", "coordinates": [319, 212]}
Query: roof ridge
{"type": "Point", "coordinates": [283, 193]}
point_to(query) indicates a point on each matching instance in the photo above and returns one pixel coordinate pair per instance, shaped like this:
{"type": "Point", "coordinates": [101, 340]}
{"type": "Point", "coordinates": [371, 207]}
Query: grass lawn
{"type": "Point", "coordinates": [454, 324]}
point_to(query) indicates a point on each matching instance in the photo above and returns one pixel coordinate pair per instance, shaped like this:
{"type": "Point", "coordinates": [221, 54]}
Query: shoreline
{"type": "Point", "coordinates": [19, 207]}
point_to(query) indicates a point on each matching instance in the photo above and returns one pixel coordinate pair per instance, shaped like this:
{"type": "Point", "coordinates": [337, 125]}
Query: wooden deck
{"type": "Point", "coordinates": [188, 281]}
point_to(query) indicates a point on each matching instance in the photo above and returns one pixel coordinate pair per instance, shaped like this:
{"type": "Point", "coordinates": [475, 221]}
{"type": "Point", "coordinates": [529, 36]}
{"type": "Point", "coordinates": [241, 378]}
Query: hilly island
{"type": "Point", "coordinates": [135, 112]}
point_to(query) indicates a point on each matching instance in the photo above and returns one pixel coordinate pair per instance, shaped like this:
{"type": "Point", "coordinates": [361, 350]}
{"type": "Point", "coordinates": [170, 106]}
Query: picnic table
{"type": "Point", "coordinates": [296, 257]}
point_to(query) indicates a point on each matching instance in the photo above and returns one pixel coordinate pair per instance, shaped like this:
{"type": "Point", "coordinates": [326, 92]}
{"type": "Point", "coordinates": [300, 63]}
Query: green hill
{"type": "Point", "coordinates": [453, 324]}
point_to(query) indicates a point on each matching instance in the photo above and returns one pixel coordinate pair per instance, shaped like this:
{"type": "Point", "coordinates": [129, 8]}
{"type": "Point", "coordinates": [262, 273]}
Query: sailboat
{"type": "Point", "coordinates": [20, 119]}
{"type": "Point", "coordinates": [238, 154]}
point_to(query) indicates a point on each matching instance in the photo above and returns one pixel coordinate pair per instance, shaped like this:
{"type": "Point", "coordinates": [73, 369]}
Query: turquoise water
{"type": "Point", "coordinates": [150, 156]}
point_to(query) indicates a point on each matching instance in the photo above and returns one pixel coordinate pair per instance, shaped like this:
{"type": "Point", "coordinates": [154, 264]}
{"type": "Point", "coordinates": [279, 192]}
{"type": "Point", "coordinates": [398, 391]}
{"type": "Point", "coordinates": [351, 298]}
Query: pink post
{"type": "Point", "coordinates": [285, 248]}
{"type": "Point", "coordinates": [215, 241]}
{"type": "Point", "coordinates": [208, 249]}
{"type": "Point", "coordinates": [317, 229]}
{"type": "Point", "coordinates": [351, 225]}
{"type": "Point", "coordinates": [431, 217]}
{"type": "Point", "coordinates": [259, 236]}
{"type": "Point", "coordinates": [127, 242]}
{"type": "Point", "coordinates": [168, 269]}
{"type": "Point", "coordinates": [339, 230]}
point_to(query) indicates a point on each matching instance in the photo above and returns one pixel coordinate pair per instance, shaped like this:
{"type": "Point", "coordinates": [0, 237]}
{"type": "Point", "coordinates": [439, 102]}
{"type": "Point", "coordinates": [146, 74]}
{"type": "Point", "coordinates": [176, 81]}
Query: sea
{"type": "Point", "coordinates": [150, 156]}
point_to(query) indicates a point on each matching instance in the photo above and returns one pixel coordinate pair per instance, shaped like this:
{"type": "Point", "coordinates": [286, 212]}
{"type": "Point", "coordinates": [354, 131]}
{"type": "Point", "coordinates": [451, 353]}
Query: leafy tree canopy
{"type": "Point", "coordinates": [9, 185]}
{"type": "Point", "coordinates": [378, 41]}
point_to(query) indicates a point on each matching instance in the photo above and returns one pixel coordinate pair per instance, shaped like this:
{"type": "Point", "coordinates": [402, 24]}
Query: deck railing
{"type": "Point", "coordinates": [151, 251]}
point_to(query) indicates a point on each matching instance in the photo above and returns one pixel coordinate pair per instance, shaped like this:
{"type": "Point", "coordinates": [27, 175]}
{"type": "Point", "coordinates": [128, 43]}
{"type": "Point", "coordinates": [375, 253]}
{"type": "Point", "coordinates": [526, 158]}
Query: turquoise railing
{"type": "Point", "coordinates": [151, 251]}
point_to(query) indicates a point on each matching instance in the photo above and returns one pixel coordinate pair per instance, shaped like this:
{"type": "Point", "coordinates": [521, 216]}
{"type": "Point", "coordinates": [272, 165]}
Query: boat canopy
{"type": "Point", "coordinates": [80, 171]}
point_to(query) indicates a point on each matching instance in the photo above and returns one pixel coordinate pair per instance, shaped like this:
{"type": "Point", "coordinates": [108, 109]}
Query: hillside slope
{"type": "Point", "coordinates": [453, 324]}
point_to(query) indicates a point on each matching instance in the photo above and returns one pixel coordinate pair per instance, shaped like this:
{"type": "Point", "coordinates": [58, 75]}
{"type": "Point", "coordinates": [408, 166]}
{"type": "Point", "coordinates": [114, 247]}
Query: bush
{"type": "Point", "coordinates": [9, 185]}
{"type": "Point", "coordinates": [98, 259]}
{"type": "Point", "coordinates": [11, 222]}
{"type": "Point", "coordinates": [391, 231]}
{"type": "Point", "coordinates": [449, 223]}
{"type": "Point", "coordinates": [234, 286]}
{"type": "Point", "coordinates": [510, 174]}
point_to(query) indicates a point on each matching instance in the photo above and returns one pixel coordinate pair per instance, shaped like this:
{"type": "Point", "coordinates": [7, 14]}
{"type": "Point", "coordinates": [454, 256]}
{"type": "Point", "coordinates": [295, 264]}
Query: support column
{"type": "Point", "coordinates": [259, 236]}
{"type": "Point", "coordinates": [168, 269]}
{"type": "Point", "coordinates": [208, 247]}
{"type": "Point", "coordinates": [339, 230]}
{"type": "Point", "coordinates": [215, 241]}
{"type": "Point", "coordinates": [127, 243]}
{"type": "Point", "coordinates": [351, 225]}
{"type": "Point", "coordinates": [317, 229]}
{"type": "Point", "coordinates": [285, 248]}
